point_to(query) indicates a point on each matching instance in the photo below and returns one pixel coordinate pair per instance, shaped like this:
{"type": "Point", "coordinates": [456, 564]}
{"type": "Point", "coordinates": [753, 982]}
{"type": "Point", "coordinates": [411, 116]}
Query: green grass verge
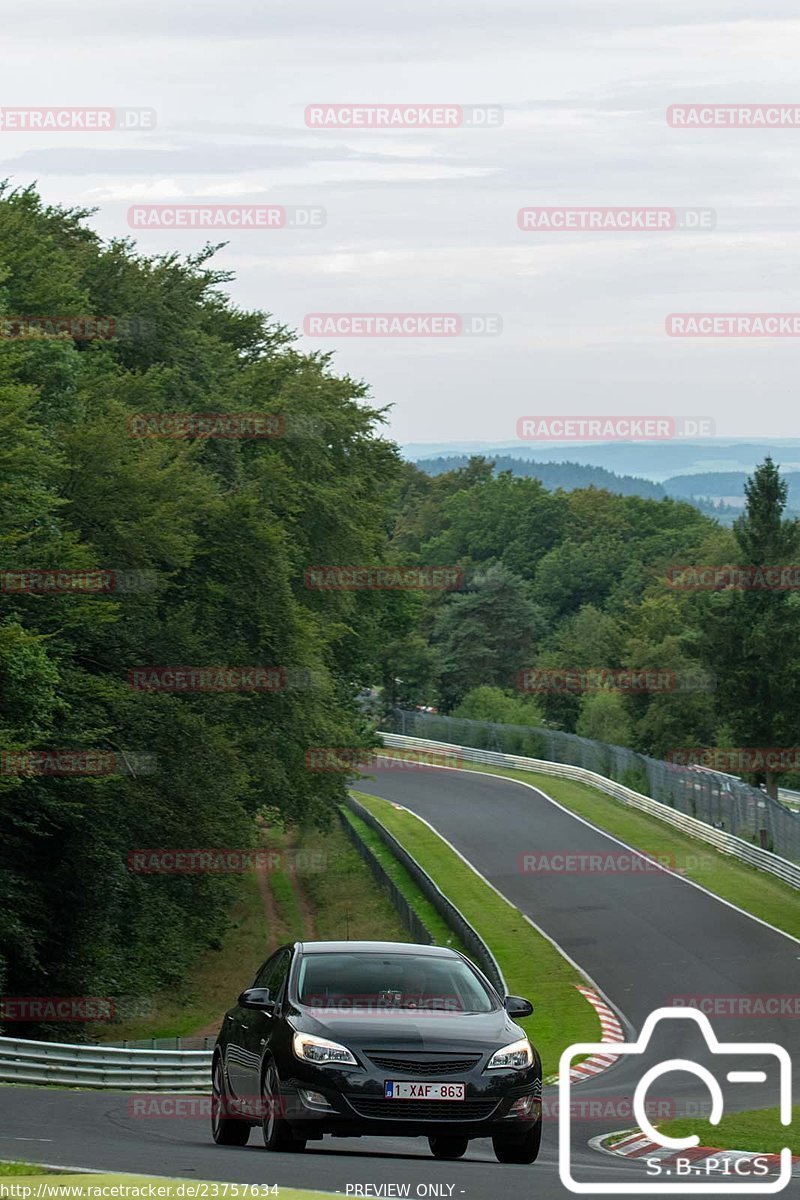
{"type": "Point", "coordinates": [760, 1131]}
{"type": "Point", "coordinates": [346, 901]}
{"type": "Point", "coordinates": [290, 915]}
{"type": "Point", "coordinates": [755, 891]}
{"type": "Point", "coordinates": [21, 1168]}
{"type": "Point", "coordinates": [436, 925]}
{"type": "Point", "coordinates": [191, 1189]}
{"type": "Point", "coordinates": [530, 963]}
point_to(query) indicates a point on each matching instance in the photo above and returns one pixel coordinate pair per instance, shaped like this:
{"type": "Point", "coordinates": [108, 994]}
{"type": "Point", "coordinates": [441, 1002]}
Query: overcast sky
{"type": "Point", "coordinates": [427, 221]}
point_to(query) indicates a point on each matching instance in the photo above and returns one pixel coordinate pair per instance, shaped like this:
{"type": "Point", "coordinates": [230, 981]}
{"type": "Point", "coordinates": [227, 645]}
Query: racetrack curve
{"type": "Point", "coordinates": [643, 938]}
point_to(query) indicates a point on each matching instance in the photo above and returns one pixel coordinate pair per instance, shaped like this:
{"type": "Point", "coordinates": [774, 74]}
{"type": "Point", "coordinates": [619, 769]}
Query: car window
{"type": "Point", "coordinates": [370, 980]}
{"type": "Point", "coordinates": [278, 977]}
{"type": "Point", "coordinates": [272, 971]}
{"type": "Point", "coordinates": [262, 974]}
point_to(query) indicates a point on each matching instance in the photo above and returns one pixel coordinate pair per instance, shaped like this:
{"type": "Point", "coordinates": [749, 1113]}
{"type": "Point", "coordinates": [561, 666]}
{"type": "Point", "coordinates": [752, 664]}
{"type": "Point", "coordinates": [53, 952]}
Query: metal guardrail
{"type": "Point", "coordinates": [469, 936]}
{"type": "Point", "coordinates": [720, 800]}
{"type": "Point", "coordinates": [191, 1042]}
{"type": "Point", "coordinates": [23, 1061]}
{"type": "Point", "coordinates": [727, 843]}
{"type": "Point", "coordinates": [790, 798]}
{"type": "Point", "coordinates": [413, 923]}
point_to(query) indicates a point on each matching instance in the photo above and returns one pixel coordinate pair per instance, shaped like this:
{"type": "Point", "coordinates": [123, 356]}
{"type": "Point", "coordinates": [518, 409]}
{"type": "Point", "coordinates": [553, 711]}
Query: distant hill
{"type": "Point", "coordinates": [566, 475]}
{"type": "Point", "coordinates": [656, 461]}
{"type": "Point", "coordinates": [724, 483]}
{"type": "Point", "coordinates": [572, 475]}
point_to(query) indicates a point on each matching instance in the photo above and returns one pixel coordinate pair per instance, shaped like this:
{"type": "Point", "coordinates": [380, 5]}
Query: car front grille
{"type": "Point", "coordinates": [431, 1068]}
{"type": "Point", "coordinates": [424, 1110]}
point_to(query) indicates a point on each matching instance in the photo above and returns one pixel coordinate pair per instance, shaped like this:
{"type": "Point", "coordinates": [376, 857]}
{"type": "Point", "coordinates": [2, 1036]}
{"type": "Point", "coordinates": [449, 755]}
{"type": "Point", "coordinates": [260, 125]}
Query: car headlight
{"type": "Point", "coordinates": [320, 1051]}
{"type": "Point", "coordinates": [512, 1057]}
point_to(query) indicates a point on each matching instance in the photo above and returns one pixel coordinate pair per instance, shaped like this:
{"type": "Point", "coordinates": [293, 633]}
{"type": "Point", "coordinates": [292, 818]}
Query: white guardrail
{"type": "Point", "coordinates": [789, 798]}
{"type": "Point", "coordinates": [754, 856]}
{"type": "Point", "coordinates": [22, 1061]}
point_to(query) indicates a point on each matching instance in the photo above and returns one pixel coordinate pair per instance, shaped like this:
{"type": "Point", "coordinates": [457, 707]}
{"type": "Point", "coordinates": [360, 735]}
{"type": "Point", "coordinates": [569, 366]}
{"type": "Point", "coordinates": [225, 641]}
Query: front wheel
{"type": "Point", "coordinates": [518, 1148]}
{"type": "Point", "coordinates": [447, 1145]}
{"type": "Point", "coordinates": [277, 1131]}
{"type": "Point", "coordinates": [225, 1130]}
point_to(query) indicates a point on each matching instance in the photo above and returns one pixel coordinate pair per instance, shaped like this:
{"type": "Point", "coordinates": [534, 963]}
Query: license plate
{"type": "Point", "coordinates": [408, 1090]}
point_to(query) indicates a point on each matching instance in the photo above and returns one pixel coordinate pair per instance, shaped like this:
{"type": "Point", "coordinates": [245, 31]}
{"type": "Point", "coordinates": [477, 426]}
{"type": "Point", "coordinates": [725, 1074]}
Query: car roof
{"type": "Point", "coordinates": [376, 948]}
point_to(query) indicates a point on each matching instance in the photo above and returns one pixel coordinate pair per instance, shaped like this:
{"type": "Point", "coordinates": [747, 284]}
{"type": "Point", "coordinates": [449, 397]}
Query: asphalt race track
{"type": "Point", "coordinates": [644, 938]}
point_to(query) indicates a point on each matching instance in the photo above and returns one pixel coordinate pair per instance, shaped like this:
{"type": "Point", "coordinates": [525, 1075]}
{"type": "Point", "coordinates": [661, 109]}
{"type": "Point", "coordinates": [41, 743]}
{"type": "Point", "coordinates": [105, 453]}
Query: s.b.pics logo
{"type": "Point", "coordinates": [749, 1074]}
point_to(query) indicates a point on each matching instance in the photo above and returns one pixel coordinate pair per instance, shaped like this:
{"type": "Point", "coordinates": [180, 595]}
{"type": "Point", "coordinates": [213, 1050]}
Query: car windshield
{"type": "Point", "coordinates": [396, 981]}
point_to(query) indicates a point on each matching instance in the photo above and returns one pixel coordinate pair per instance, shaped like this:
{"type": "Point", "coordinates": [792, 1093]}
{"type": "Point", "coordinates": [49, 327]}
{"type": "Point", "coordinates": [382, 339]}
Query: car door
{"type": "Point", "coordinates": [258, 1026]}
{"type": "Point", "coordinates": [237, 1023]}
{"type": "Point", "coordinates": [233, 1050]}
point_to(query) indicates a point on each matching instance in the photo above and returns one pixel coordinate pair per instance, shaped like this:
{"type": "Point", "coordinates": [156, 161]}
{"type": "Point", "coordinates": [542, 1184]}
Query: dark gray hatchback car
{"type": "Point", "coordinates": [377, 1038]}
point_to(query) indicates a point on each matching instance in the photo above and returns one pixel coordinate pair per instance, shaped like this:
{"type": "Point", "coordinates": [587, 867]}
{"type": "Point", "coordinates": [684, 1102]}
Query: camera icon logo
{"type": "Point", "coordinates": [726, 1186]}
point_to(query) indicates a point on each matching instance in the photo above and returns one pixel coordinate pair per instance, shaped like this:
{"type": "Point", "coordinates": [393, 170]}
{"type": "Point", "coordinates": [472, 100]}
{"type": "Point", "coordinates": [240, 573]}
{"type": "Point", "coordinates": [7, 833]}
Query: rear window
{"type": "Point", "coordinates": [391, 981]}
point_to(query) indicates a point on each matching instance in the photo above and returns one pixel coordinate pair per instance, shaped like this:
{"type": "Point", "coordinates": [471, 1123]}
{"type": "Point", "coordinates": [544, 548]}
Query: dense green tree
{"type": "Point", "coordinates": [485, 634]}
{"type": "Point", "coordinates": [493, 704]}
{"type": "Point", "coordinates": [751, 634]}
{"type": "Point", "coordinates": [219, 535]}
{"type": "Point", "coordinates": [604, 717]}
{"type": "Point", "coordinates": [485, 520]}
{"type": "Point", "coordinates": [680, 709]}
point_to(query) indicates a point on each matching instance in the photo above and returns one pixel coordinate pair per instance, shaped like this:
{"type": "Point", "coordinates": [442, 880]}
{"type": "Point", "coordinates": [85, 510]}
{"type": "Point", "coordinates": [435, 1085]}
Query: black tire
{"type": "Point", "coordinates": [447, 1145]}
{"type": "Point", "coordinates": [277, 1132]}
{"type": "Point", "coordinates": [518, 1148]}
{"type": "Point", "coordinates": [226, 1131]}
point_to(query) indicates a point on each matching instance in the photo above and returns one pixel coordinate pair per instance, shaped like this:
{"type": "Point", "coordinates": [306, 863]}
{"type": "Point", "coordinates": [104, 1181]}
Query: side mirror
{"type": "Point", "coordinates": [516, 1006]}
{"type": "Point", "coordinates": [256, 998]}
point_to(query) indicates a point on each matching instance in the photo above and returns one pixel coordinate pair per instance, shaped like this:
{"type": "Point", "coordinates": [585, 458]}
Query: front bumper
{"type": "Point", "coordinates": [356, 1105]}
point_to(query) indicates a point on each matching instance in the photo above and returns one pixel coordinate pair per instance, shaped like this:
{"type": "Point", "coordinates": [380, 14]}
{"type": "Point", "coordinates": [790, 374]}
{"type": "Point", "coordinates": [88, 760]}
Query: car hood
{"type": "Point", "coordinates": [410, 1030]}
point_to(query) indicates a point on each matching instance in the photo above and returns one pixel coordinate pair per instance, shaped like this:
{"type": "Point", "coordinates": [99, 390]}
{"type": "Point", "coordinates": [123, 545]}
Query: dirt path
{"type": "Point", "coordinates": [270, 909]}
{"type": "Point", "coordinates": [306, 907]}
{"type": "Point", "coordinates": [272, 922]}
